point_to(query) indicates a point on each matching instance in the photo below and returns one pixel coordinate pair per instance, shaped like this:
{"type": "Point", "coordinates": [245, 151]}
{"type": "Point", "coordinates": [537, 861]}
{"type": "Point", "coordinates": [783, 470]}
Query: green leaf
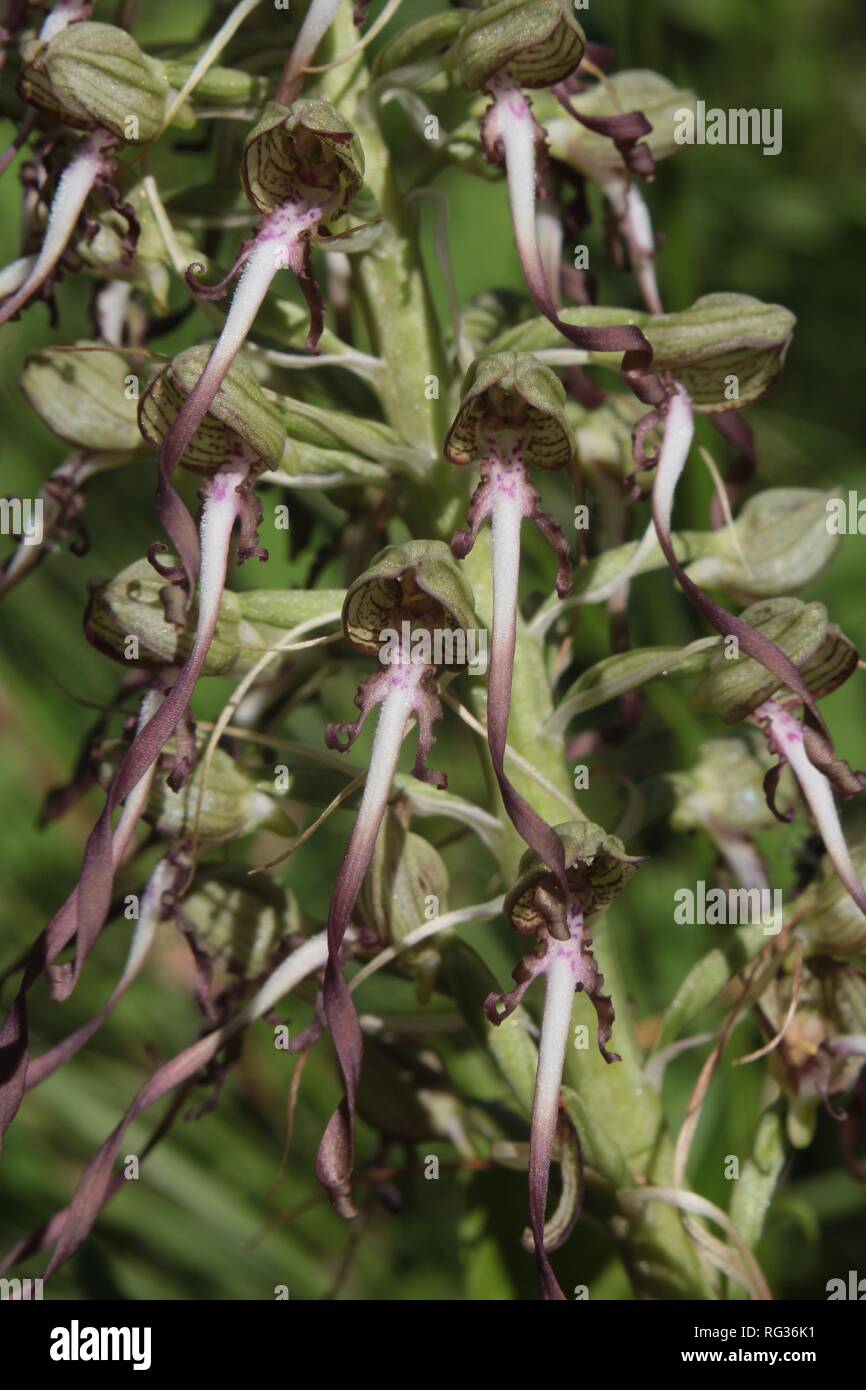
{"type": "Point", "coordinates": [509, 1043]}
{"type": "Point", "coordinates": [625, 671]}
{"type": "Point", "coordinates": [707, 979]}
{"type": "Point", "coordinates": [753, 1191]}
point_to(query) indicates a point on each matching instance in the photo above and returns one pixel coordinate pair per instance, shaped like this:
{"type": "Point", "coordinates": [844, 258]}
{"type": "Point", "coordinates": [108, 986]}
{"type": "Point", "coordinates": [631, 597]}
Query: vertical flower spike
{"type": "Point", "coordinates": [410, 609]}
{"type": "Point", "coordinates": [501, 50]}
{"type": "Point", "coordinates": [241, 435]}
{"type": "Point", "coordinates": [597, 869]}
{"type": "Point", "coordinates": [96, 79]}
{"type": "Point", "coordinates": [300, 166]}
{"type": "Point", "coordinates": [511, 418]}
{"type": "Point", "coordinates": [744, 689]}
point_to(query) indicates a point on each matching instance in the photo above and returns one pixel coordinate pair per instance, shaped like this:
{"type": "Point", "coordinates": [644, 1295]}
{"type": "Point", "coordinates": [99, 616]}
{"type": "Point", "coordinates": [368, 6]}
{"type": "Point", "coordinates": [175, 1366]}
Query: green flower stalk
{"type": "Point", "coordinates": [415, 593]}
{"type": "Point", "coordinates": [597, 868]}
{"type": "Point", "coordinates": [511, 418]}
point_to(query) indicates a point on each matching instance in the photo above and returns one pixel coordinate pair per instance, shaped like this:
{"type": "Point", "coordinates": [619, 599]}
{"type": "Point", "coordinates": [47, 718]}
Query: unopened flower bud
{"type": "Point", "coordinates": [95, 76]}
{"type": "Point", "coordinates": [83, 397]}
{"type": "Point", "coordinates": [514, 392]}
{"type": "Point", "coordinates": [406, 876]}
{"type": "Point", "coordinates": [242, 923]}
{"type": "Point", "coordinates": [239, 413]}
{"type": "Point", "coordinates": [233, 804]}
{"type": "Point", "coordinates": [420, 41]}
{"type": "Point", "coordinates": [489, 314]}
{"type": "Point", "coordinates": [537, 42]}
{"type": "Point", "coordinates": [827, 918]}
{"type": "Point", "coordinates": [299, 152]}
{"type": "Point", "coordinates": [219, 87]}
{"type": "Point", "coordinates": [723, 793]}
{"type": "Point", "coordinates": [780, 543]}
{"type": "Point", "coordinates": [130, 607]}
{"type": "Point", "coordinates": [737, 684]}
{"type": "Point", "coordinates": [726, 350]}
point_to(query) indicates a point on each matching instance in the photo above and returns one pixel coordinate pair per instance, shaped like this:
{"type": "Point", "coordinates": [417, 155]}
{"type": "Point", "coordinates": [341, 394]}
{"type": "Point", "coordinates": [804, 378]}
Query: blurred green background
{"type": "Point", "coordinates": [790, 229]}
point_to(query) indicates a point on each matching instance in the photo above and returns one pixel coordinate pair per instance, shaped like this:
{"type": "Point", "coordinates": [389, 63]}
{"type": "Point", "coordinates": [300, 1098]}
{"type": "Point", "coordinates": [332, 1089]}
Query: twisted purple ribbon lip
{"type": "Point", "coordinates": [809, 747]}
{"type": "Point", "coordinates": [510, 133]}
{"type": "Point", "coordinates": [506, 497]}
{"type": "Point", "coordinates": [405, 688]}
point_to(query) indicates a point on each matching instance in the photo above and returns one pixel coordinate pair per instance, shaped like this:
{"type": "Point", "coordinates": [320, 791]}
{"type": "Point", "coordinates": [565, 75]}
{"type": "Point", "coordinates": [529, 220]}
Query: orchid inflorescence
{"type": "Point", "coordinates": [523, 404]}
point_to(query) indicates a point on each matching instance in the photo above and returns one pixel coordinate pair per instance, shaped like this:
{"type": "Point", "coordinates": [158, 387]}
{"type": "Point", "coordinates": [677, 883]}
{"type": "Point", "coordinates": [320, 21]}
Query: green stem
{"type": "Point", "coordinates": [394, 292]}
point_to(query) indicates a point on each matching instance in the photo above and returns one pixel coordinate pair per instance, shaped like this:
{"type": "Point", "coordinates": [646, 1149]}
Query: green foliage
{"type": "Point", "coordinates": [743, 235]}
